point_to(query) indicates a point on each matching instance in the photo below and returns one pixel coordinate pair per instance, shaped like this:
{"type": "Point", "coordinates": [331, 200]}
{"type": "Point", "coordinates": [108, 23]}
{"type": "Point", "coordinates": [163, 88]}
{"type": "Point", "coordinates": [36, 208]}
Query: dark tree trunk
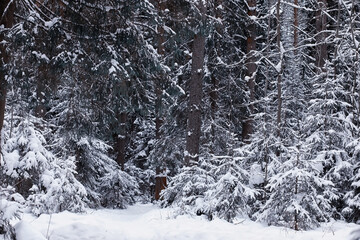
{"type": "Point", "coordinates": [296, 42]}
{"type": "Point", "coordinates": [195, 95]}
{"type": "Point", "coordinates": [7, 9]}
{"type": "Point", "coordinates": [40, 109]}
{"type": "Point", "coordinates": [215, 79]}
{"type": "Point", "coordinates": [121, 140]}
{"type": "Point", "coordinates": [214, 108]}
{"type": "Point", "coordinates": [321, 21]}
{"type": "Point", "coordinates": [280, 71]}
{"type": "Point", "coordinates": [160, 179]}
{"type": "Point", "coordinates": [296, 26]}
{"type": "Point", "coordinates": [251, 71]}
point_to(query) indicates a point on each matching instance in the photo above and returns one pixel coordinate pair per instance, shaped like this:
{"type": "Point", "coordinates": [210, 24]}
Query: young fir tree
{"type": "Point", "coordinates": [230, 194]}
{"type": "Point", "coordinates": [10, 209]}
{"type": "Point", "coordinates": [329, 125]}
{"type": "Point", "coordinates": [47, 182]}
{"type": "Point", "coordinates": [293, 187]}
{"type": "Point", "coordinates": [105, 182]}
{"type": "Point", "coordinates": [349, 57]}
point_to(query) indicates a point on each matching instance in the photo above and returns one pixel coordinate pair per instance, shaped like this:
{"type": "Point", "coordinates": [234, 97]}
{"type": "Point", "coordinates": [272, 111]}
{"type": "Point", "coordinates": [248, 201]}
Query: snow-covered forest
{"type": "Point", "coordinates": [222, 108]}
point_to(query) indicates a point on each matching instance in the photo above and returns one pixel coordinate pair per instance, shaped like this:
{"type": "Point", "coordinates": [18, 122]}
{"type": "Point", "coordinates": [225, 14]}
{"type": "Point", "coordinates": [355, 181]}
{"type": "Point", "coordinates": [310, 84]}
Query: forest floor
{"type": "Point", "coordinates": [149, 222]}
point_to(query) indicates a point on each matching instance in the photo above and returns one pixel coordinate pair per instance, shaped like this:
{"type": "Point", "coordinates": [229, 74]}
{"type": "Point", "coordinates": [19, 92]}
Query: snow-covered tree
{"type": "Point", "coordinates": [297, 194]}
{"type": "Point", "coordinates": [10, 208]}
{"type": "Point", "coordinates": [353, 198]}
{"type": "Point", "coordinates": [47, 182]}
{"type": "Point", "coordinates": [186, 190]}
{"type": "Point", "coordinates": [103, 179]}
{"type": "Point", "coordinates": [231, 194]}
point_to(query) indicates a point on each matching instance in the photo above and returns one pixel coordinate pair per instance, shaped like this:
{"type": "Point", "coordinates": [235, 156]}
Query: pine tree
{"type": "Point", "coordinates": [7, 9]}
{"type": "Point", "coordinates": [45, 181]}
{"type": "Point", "coordinates": [9, 210]}
{"type": "Point", "coordinates": [229, 196]}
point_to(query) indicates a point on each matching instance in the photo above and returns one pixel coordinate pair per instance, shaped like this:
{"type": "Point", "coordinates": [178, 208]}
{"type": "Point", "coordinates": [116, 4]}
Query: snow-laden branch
{"type": "Point", "coordinates": [6, 9]}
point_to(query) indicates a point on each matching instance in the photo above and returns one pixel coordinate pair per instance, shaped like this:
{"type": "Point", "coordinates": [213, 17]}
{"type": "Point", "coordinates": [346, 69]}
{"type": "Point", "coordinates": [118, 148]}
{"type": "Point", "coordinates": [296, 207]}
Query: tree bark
{"type": "Point", "coordinates": [7, 8]}
{"type": "Point", "coordinates": [121, 140]}
{"type": "Point", "coordinates": [296, 26]}
{"type": "Point", "coordinates": [321, 48]}
{"type": "Point", "coordinates": [160, 179]}
{"type": "Point", "coordinates": [195, 94]}
{"type": "Point", "coordinates": [356, 64]}
{"type": "Point", "coordinates": [40, 109]}
{"type": "Point", "coordinates": [296, 42]}
{"type": "Point", "coordinates": [251, 70]}
{"type": "Point", "coordinates": [267, 79]}
{"type": "Point", "coordinates": [280, 71]}
{"type": "Point", "coordinates": [213, 95]}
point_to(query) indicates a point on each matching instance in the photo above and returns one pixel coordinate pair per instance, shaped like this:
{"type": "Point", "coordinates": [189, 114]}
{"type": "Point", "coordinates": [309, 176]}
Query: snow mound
{"type": "Point", "coordinates": [24, 231]}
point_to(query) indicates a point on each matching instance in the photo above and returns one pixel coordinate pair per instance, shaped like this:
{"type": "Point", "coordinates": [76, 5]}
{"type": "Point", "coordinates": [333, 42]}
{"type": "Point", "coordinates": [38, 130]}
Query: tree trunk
{"type": "Point", "coordinates": [280, 71]}
{"type": "Point", "coordinates": [121, 140]}
{"type": "Point", "coordinates": [195, 94]}
{"type": "Point", "coordinates": [267, 79]}
{"type": "Point", "coordinates": [296, 26]}
{"type": "Point", "coordinates": [7, 8]}
{"type": "Point", "coordinates": [251, 70]}
{"type": "Point", "coordinates": [40, 109]}
{"type": "Point", "coordinates": [213, 95]}
{"type": "Point", "coordinates": [296, 42]}
{"type": "Point", "coordinates": [356, 105]}
{"type": "Point", "coordinates": [321, 48]}
{"type": "Point", "coordinates": [160, 179]}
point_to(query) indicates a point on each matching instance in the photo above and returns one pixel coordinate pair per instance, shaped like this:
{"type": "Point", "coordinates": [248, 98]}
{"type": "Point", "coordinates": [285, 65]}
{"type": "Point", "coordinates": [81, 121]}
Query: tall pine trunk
{"type": "Point", "coordinates": [251, 70]}
{"type": "Point", "coordinates": [321, 49]}
{"type": "Point", "coordinates": [121, 140]}
{"type": "Point", "coordinates": [193, 132]}
{"type": "Point", "coordinates": [213, 95]}
{"type": "Point", "coordinates": [122, 121]}
{"type": "Point", "coordinates": [7, 8]}
{"type": "Point", "coordinates": [296, 42]}
{"type": "Point", "coordinates": [40, 109]}
{"type": "Point", "coordinates": [160, 179]}
{"type": "Point", "coordinates": [280, 71]}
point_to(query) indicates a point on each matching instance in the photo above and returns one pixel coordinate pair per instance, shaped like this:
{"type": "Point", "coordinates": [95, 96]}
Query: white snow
{"type": "Point", "coordinates": [278, 66]}
{"type": "Point", "coordinates": [52, 22]}
{"type": "Point", "coordinates": [147, 221]}
{"type": "Point", "coordinates": [25, 231]}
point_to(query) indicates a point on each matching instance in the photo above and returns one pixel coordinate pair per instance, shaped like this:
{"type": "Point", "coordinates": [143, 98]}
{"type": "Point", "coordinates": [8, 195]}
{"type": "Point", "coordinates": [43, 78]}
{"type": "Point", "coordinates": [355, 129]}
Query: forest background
{"type": "Point", "coordinates": [219, 107]}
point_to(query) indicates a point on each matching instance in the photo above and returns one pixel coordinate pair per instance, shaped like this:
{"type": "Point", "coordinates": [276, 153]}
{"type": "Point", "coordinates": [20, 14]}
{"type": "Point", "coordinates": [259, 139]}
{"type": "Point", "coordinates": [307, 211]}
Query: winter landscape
{"type": "Point", "coordinates": [180, 119]}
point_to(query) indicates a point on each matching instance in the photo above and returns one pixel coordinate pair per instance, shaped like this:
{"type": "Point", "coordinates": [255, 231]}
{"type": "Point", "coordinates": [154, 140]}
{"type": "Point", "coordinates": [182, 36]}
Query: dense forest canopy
{"type": "Point", "coordinates": [218, 107]}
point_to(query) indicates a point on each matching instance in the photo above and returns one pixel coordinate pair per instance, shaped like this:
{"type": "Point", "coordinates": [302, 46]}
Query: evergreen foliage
{"type": "Point", "coordinates": [47, 182]}
{"type": "Point", "coordinates": [97, 108]}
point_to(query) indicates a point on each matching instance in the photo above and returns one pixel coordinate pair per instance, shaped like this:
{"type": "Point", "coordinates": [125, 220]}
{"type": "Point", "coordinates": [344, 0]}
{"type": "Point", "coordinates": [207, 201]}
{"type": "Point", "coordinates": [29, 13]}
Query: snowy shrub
{"type": "Point", "coordinates": [10, 208]}
{"type": "Point", "coordinates": [63, 190]}
{"type": "Point", "coordinates": [106, 184]}
{"type": "Point", "coordinates": [352, 212]}
{"type": "Point", "coordinates": [145, 179]}
{"type": "Point", "coordinates": [47, 182]}
{"type": "Point", "coordinates": [186, 190]}
{"type": "Point", "coordinates": [118, 189]}
{"type": "Point", "coordinates": [139, 163]}
{"type": "Point", "coordinates": [214, 187]}
{"type": "Point", "coordinates": [296, 195]}
{"type": "Point", "coordinates": [229, 196]}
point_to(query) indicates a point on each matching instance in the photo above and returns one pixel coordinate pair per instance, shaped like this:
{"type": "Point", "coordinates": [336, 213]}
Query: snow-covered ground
{"type": "Point", "coordinates": [147, 222]}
